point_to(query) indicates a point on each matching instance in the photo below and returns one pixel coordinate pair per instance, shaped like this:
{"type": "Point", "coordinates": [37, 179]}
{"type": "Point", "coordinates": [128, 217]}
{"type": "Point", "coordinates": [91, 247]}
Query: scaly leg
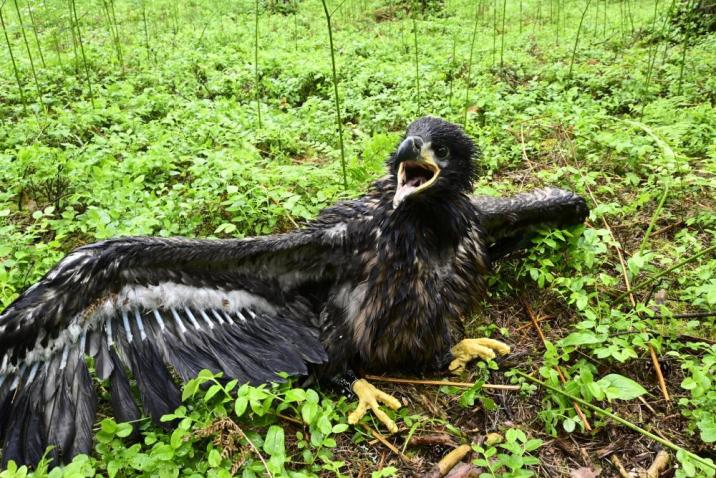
{"type": "Point", "coordinates": [368, 397]}
{"type": "Point", "coordinates": [469, 349]}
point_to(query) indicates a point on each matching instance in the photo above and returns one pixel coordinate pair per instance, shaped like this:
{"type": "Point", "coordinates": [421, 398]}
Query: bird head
{"type": "Point", "coordinates": [434, 158]}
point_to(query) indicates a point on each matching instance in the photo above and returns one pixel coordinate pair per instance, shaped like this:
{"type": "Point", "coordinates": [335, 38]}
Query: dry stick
{"type": "Point", "coordinates": [490, 386]}
{"type": "Point", "coordinates": [620, 420]}
{"type": "Point", "coordinates": [256, 450]}
{"type": "Point", "coordinates": [582, 417]}
{"type": "Point", "coordinates": [625, 275]}
{"type": "Point", "coordinates": [12, 58]}
{"type": "Point", "coordinates": [385, 442]}
{"type": "Point", "coordinates": [644, 241]}
{"type": "Point", "coordinates": [667, 228]}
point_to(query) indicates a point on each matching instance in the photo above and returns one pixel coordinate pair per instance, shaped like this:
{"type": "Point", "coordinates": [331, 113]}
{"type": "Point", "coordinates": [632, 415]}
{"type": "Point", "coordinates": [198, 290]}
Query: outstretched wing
{"type": "Point", "coordinates": [511, 222]}
{"type": "Point", "coordinates": [157, 307]}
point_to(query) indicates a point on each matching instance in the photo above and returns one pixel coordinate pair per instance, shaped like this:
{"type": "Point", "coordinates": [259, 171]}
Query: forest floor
{"type": "Point", "coordinates": [142, 118]}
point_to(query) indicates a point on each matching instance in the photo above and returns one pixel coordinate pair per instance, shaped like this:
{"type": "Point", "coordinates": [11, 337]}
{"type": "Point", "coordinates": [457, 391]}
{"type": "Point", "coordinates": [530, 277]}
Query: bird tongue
{"type": "Point", "coordinates": [415, 182]}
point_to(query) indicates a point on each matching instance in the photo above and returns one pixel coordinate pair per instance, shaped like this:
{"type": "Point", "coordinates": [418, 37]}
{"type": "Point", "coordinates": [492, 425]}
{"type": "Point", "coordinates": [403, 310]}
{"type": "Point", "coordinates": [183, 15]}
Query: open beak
{"type": "Point", "coordinates": [417, 169]}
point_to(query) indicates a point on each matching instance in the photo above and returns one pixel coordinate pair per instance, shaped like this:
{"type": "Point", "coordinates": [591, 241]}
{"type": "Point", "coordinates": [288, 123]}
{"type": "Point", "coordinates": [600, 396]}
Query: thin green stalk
{"type": "Point", "coordinates": [576, 40]}
{"type": "Point", "coordinates": [34, 32]}
{"type": "Point", "coordinates": [339, 120]}
{"type": "Point", "coordinates": [257, 86]}
{"type": "Point", "coordinates": [469, 68]}
{"type": "Point", "coordinates": [146, 31]}
{"type": "Point", "coordinates": [654, 217]}
{"type": "Point", "coordinates": [55, 41]}
{"type": "Point", "coordinates": [417, 62]}
{"type": "Point", "coordinates": [74, 40]}
{"type": "Point", "coordinates": [520, 17]}
{"type": "Point", "coordinates": [658, 276]}
{"type": "Point", "coordinates": [14, 65]}
{"type": "Point", "coordinates": [113, 15]}
{"type": "Point", "coordinates": [559, 6]}
{"type": "Point", "coordinates": [618, 419]}
{"type": "Point", "coordinates": [502, 34]}
{"type": "Point", "coordinates": [687, 38]}
{"type": "Point", "coordinates": [452, 66]}
{"type": "Point", "coordinates": [494, 31]}
{"type": "Point", "coordinates": [82, 50]}
{"type": "Point", "coordinates": [29, 55]}
{"type": "Point", "coordinates": [606, 21]}
{"type": "Point", "coordinates": [651, 56]}
{"type": "Point", "coordinates": [110, 29]}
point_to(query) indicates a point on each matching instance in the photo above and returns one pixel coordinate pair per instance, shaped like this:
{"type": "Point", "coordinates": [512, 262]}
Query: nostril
{"type": "Point", "coordinates": [417, 143]}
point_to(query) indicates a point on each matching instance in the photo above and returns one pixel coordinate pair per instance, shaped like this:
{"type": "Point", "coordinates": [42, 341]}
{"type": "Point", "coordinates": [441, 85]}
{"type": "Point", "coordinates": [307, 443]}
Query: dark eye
{"type": "Point", "coordinates": [442, 152]}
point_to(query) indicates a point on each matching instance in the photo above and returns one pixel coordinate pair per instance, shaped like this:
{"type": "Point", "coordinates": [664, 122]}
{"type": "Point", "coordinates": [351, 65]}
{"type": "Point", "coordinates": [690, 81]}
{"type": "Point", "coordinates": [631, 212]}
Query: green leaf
{"type": "Point", "coordinates": [580, 338]}
{"type": "Point", "coordinates": [214, 458]}
{"type": "Point", "coordinates": [240, 405]}
{"type": "Point", "coordinates": [274, 442]}
{"type": "Point", "coordinates": [617, 386]}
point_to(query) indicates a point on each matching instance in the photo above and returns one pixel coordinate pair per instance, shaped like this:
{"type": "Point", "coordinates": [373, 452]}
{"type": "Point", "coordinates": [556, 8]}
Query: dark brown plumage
{"type": "Point", "coordinates": [376, 283]}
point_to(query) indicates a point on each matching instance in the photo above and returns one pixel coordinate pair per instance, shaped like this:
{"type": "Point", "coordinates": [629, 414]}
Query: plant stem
{"type": "Point", "coordinates": [417, 62]}
{"type": "Point", "coordinates": [257, 86]}
{"type": "Point", "coordinates": [494, 31]}
{"type": "Point", "coordinates": [339, 120]}
{"type": "Point", "coordinates": [502, 34]}
{"type": "Point", "coordinates": [654, 217]}
{"type": "Point", "coordinates": [29, 55]}
{"type": "Point", "coordinates": [645, 283]}
{"type": "Point", "coordinates": [469, 68]}
{"type": "Point", "coordinates": [687, 37]}
{"type": "Point", "coordinates": [576, 40]}
{"type": "Point", "coordinates": [34, 32]}
{"type": "Point", "coordinates": [617, 419]}
{"type": "Point", "coordinates": [82, 50]}
{"type": "Point", "coordinates": [55, 42]}
{"type": "Point", "coordinates": [146, 30]}
{"type": "Point", "coordinates": [14, 65]}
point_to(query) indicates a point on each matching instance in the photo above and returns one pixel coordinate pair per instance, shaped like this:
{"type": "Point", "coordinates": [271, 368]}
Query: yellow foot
{"type": "Point", "coordinates": [469, 349]}
{"type": "Point", "coordinates": [368, 397]}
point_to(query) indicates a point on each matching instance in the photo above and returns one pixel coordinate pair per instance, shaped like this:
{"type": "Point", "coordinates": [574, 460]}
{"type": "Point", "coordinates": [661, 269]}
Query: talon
{"type": "Point", "coordinates": [469, 349]}
{"type": "Point", "coordinates": [368, 397]}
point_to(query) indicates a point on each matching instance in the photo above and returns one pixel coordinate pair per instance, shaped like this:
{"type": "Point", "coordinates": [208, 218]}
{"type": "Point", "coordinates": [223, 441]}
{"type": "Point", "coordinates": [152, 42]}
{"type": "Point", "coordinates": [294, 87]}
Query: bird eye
{"type": "Point", "coordinates": [442, 152]}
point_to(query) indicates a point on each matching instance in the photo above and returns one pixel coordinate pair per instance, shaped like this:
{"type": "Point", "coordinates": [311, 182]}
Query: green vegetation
{"type": "Point", "coordinates": [221, 119]}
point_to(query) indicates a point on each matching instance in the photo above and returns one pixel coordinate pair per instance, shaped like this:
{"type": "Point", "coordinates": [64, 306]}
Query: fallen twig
{"type": "Point", "coordinates": [490, 386]}
{"type": "Point", "coordinates": [667, 443]}
{"type": "Point", "coordinates": [385, 442]}
{"type": "Point", "coordinates": [532, 316]}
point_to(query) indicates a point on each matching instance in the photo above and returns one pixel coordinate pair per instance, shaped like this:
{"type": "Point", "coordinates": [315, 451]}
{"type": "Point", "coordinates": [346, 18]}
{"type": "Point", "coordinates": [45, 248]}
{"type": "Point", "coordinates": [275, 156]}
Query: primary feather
{"type": "Point", "coordinates": [380, 282]}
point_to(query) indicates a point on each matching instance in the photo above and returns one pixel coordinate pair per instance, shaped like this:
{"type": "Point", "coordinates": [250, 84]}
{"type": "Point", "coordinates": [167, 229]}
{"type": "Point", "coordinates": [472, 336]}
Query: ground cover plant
{"type": "Point", "coordinates": [229, 119]}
